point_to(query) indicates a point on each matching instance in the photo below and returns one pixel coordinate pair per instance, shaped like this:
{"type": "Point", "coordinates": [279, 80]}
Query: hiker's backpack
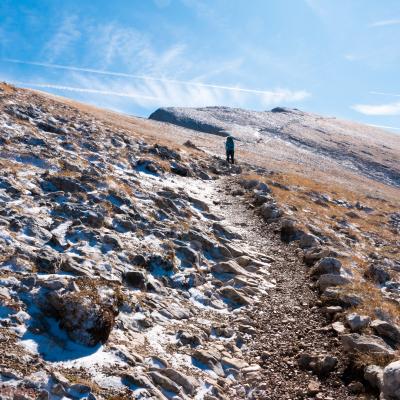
{"type": "Point", "coordinates": [230, 145]}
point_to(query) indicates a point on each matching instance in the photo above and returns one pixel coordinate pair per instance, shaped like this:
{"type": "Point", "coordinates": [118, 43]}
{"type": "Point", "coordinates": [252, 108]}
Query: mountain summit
{"type": "Point", "coordinates": [298, 136]}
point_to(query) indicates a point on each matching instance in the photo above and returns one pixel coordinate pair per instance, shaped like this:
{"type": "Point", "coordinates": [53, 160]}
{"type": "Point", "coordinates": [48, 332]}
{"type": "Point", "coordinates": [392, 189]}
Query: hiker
{"type": "Point", "coordinates": [230, 149]}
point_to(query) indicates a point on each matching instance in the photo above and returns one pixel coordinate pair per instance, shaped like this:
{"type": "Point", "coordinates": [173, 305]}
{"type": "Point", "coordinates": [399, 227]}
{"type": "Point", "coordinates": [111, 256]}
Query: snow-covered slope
{"type": "Point", "coordinates": [370, 151]}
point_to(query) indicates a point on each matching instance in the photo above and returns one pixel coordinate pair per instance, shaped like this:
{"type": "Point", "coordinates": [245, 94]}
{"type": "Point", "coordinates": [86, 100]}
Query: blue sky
{"type": "Point", "coordinates": [334, 57]}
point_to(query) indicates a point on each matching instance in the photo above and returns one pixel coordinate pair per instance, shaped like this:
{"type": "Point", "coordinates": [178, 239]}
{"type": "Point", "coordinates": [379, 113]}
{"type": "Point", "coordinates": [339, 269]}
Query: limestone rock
{"type": "Point", "coordinates": [308, 240]}
{"type": "Point", "coordinates": [327, 265]}
{"type": "Point", "coordinates": [357, 322]}
{"type": "Point", "coordinates": [289, 230]}
{"type": "Point", "coordinates": [320, 364]}
{"type": "Point", "coordinates": [234, 295]}
{"type": "Point", "coordinates": [189, 384]}
{"type": "Point", "coordinates": [338, 327]}
{"type": "Point", "coordinates": [328, 280]}
{"type": "Point", "coordinates": [87, 318]}
{"type": "Point", "coordinates": [377, 273]}
{"type": "Point", "coordinates": [387, 330]}
{"type": "Point", "coordinates": [228, 267]}
{"type": "Point", "coordinates": [211, 358]}
{"type": "Point", "coordinates": [364, 344]}
{"type": "Point", "coordinates": [164, 381]}
{"type": "Point", "coordinates": [270, 212]}
{"type": "Point", "coordinates": [374, 376]}
{"type": "Point", "coordinates": [391, 381]}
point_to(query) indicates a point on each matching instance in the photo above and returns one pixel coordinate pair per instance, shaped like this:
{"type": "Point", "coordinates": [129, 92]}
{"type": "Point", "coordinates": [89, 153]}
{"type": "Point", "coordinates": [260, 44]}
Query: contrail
{"type": "Point", "coordinates": [141, 77]}
{"type": "Point", "coordinates": [386, 94]}
{"type": "Point", "coordinates": [384, 127]}
{"type": "Point", "coordinates": [84, 90]}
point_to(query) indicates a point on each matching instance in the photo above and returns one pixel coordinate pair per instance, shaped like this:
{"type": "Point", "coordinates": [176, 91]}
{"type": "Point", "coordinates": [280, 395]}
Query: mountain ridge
{"type": "Point", "coordinates": [372, 151]}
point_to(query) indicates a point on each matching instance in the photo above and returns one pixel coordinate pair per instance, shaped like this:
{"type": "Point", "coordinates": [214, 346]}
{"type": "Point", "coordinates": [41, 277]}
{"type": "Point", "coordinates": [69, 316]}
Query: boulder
{"type": "Point", "coordinates": [289, 230]}
{"type": "Point", "coordinates": [188, 383]}
{"type": "Point", "coordinates": [75, 266]}
{"type": "Point", "coordinates": [263, 188]}
{"type": "Point", "coordinates": [86, 316]}
{"type": "Point", "coordinates": [391, 381]}
{"type": "Point", "coordinates": [186, 338]}
{"type": "Point", "coordinates": [387, 330]}
{"type": "Point", "coordinates": [67, 184]}
{"type": "Point", "coordinates": [261, 198]}
{"type": "Point", "coordinates": [180, 169]}
{"type": "Point", "coordinates": [307, 240]}
{"type": "Point", "coordinates": [371, 345]}
{"type": "Point", "coordinates": [211, 359]}
{"type": "Point", "coordinates": [334, 296]}
{"type": "Point", "coordinates": [338, 327]}
{"type": "Point", "coordinates": [48, 260]}
{"type": "Point", "coordinates": [357, 322]}
{"type": "Point", "coordinates": [327, 265]}
{"type": "Point", "coordinates": [228, 267]}
{"type": "Point", "coordinates": [92, 218]}
{"type": "Point", "coordinates": [163, 381]}
{"type": "Point", "coordinates": [314, 254]}
{"type": "Point", "coordinates": [188, 256]}
{"type": "Point", "coordinates": [373, 374]}
{"type": "Point", "coordinates": [234, 295]}
{"type": "Point", "coordinates": [249, 183]}
{"type": "Point", "coordinates": [136, 279]}
{"type": "Point", "coordinates": [224, 232]}
{"type": "Point", "coordinates": [328, 280]}
{"type": "Point", "coordinates": [270, 212]}
{"type": "Point", "coordinates": [320, 364]}
{"type": "Point", "coordinates": [111, 242]}
{"type": "Point", "coordinates": [165, 153]}
{"type": "Point", "coordinates": [377, 274]}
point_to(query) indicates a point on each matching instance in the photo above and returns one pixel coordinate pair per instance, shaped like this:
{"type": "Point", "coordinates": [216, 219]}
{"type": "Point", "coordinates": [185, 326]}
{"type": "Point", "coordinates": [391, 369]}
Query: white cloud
{"type": "Point", "coordinates": [84, 90]}
{"type": "Point", "coordinates": [379, 109]}
{"type": "Point", "coordinates": [151, 94]}
{"type": "Point", "coordinates": [386, 22]}
{"type": "Point", "coordinates": [63, 39]}
{"type": "Point", "coordinates": [152, 74]}
{"type": "Point", "coordinates": [267, 95]}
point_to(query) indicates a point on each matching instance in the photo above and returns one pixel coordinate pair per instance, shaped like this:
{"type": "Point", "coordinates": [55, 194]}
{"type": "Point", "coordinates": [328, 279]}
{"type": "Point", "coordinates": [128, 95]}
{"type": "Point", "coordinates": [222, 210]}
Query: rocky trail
{"type": "Point", "coordinates": [288, 325]}
{"type": "Point", "coordinates": [288, 330]}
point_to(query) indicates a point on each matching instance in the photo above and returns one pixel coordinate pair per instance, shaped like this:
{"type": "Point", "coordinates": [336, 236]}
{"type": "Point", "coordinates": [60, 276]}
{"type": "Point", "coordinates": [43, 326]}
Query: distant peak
{"type": "Point", "coordinates": [284, 110]}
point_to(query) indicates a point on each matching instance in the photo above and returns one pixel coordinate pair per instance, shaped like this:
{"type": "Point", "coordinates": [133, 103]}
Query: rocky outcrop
{"type": "Point", "coordinates": [391, 381]}
{"type": "Point", "coordinates": [87, 316]}
{"type": "Point", "coordinates": [370, 345]}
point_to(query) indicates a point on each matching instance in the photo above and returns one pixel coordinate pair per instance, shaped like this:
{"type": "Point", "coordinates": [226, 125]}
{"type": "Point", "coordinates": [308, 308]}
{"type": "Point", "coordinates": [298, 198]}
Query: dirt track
{"type": "Point", "coordinates": [287, 320]}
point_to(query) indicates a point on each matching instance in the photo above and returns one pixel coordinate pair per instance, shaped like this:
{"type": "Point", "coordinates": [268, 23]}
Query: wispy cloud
{"type": "Point", "coordinates": [283, 94]}
{"type": "Point", "coordinates": [385, 22]}
{"type": "Point", "coordinates": [65, 36]}
{"type": "Point", "coordinates": [166, 93]}
{"type": "Point", "coordinates": [386, 94]}
{"type": "Point", "coordinates": [384, 127]}
{"type": "Point", "coordinates": [378, 109]}
{"type": "Point", "coordinates": [84, 90]}
{"type": "Point", "coordinates": [151, 76]}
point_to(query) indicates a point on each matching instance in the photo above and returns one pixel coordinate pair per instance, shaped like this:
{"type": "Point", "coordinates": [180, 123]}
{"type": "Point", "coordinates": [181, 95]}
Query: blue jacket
{"type": "Point", "coordinates": [229, 144]}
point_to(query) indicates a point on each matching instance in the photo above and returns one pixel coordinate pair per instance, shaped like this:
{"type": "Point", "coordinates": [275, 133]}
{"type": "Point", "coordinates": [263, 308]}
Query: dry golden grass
{"type": "Point", "coordinates": [373, 224]}
{"type": "Point", "coordinates": [9, 89]}
{"type": "Point", "coordinates": [373, 300]}
{"type": "Point", "coordinates": [81, 380]}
